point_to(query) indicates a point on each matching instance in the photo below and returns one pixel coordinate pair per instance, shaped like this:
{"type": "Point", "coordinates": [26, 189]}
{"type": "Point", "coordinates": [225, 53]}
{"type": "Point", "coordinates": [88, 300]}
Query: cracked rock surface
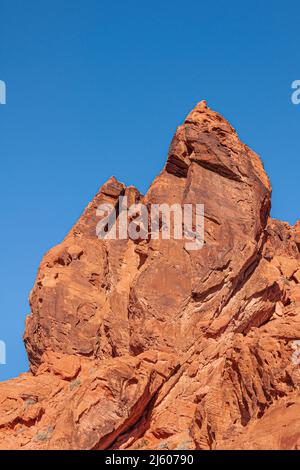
{"type": "Point", "coordinates": [142, 344]}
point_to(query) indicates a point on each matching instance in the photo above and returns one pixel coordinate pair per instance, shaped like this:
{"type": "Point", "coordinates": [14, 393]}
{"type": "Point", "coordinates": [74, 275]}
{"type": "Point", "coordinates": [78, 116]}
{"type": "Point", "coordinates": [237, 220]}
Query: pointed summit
{"type": "Point", "coordinates": [141, 344]}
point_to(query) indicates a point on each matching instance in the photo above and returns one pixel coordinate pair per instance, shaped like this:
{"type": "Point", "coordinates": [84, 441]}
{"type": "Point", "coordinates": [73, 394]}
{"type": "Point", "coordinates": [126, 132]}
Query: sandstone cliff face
{"type": "Point", "coordinates": [146, 345]}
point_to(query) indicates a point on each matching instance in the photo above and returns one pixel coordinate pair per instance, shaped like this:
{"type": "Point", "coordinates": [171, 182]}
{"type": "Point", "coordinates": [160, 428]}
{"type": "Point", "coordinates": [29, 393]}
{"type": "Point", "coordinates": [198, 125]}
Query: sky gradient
{"type": "Point", "coordinates": [97, 88]}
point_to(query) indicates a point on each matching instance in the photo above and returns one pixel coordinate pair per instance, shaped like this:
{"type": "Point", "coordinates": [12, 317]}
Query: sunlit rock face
{"type": "Point", "coordinates": [143, 344]}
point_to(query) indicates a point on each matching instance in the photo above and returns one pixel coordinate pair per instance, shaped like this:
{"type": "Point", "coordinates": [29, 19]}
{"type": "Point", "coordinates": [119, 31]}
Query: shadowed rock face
{"type": "Point", "coordinates": [146, 345]}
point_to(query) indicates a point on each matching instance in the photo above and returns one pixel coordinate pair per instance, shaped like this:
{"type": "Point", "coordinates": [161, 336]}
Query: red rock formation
{"type": "Point", "coordinates": [146, 345]}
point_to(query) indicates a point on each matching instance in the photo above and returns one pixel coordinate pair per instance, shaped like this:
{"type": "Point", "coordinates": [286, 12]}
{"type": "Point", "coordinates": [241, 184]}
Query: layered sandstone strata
{"type": "Point", "coordinates": [142, 344]}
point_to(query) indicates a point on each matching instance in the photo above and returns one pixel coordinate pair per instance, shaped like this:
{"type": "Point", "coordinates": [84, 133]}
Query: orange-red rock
{"type": "Point", "coordinates": [146, 345]}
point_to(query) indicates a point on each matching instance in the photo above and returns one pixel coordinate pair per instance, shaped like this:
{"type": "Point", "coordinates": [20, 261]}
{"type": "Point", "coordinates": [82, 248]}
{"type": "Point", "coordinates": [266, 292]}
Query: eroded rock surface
{"type": "Point", "coordinates": [146, 345]}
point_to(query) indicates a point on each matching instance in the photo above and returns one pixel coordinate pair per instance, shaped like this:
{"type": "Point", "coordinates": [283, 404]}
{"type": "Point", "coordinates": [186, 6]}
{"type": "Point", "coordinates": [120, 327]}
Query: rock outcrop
{"type": "Point", "coordinates": [143, 344]}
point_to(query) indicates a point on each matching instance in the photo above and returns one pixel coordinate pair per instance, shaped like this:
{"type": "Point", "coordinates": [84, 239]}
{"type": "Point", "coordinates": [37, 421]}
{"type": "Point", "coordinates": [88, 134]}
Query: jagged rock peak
{"type": "Point", "coordinates": [143, 344]}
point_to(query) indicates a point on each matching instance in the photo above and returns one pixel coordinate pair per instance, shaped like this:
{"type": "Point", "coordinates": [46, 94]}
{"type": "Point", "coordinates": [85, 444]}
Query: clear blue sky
{"type": "Point", "coordinates": [97, 88]}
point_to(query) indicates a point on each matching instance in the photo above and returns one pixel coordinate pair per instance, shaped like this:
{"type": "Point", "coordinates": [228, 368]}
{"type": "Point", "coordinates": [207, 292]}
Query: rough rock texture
{"type": "Point", "coordinates": [146, 345]}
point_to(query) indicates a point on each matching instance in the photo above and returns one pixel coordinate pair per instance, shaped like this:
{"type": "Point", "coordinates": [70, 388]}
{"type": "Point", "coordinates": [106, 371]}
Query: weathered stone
{"type": "Point", "coordinates": [142, 344]}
